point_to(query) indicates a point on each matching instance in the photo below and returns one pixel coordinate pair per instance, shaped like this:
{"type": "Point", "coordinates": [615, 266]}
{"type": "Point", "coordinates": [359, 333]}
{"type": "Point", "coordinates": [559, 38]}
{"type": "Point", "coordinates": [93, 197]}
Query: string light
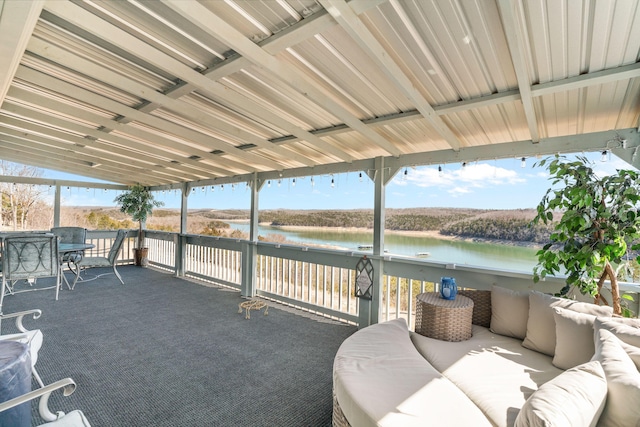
{"type": "Point", "coordinates": [440, 170]}
{"type": "Point", "coordinates": [464, 164]}
{"type": "Point", "coordinates": [523, 162]}
{"type": "Point", "coordinates": [333, 184]}
{"type": "Point", "coordinates": [269, 183]}
{"type": "Point", "coordinates": [604, 156]}
{"type": "Point", "coordinates": [313, 182]}
{"type": "Point", "coordinates": [222, 187]}
{"type": "Point", "coordinates": [360, 176]}
{"type": "Point", "coordinates": [406, 172]}
{"type": "Point", "coordinates": [293, 183]}
{"type": "Point", "coordinates": [279, 182]}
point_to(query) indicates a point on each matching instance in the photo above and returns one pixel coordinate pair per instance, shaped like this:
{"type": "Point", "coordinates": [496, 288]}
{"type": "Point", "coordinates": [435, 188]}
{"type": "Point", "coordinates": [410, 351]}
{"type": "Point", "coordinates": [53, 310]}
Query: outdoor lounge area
{"type": "Point", "coordinates": [163, 351]}
{"type": "Point", "coordinates": [190, 96]}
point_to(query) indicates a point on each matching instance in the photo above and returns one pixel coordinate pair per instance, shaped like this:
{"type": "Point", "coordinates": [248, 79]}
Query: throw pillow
{"type": "Point", "coordinates": [509, 312]}
{"type": "Point", "coordinates": [574, 398]}
{"type": "Point", "coordinates": [541, 326]}
{"type": "Point", "coordinates": [623, 382]}
{"type": "Point", "coordinates": [627, 330]}
{"type": "Point", "coordinates": [574, 338]}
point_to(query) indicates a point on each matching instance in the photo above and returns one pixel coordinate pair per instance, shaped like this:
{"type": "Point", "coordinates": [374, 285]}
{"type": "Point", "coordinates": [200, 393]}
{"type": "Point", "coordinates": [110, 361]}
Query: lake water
{"type": "Point", "coordinates": [490, 255]}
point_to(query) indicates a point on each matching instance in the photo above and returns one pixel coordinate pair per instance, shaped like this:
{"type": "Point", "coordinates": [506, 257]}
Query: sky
{"type": "Point", "coordinates": [494, 184]}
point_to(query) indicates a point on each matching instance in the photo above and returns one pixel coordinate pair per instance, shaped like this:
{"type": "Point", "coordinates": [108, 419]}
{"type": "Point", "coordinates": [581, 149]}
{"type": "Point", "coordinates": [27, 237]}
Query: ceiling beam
{"type": "Point", "coordinates": [220, 29]}
{"type": "Point", "coordinates": [596, 141]}
{"type": "Point", "coordinates": [352, 24]}
{"type": "Point", "coordinates": [513, 29]}
{"type": "Point", "coordinates": [172, 129]}
{"type": "Point", "coordinates": [53, 139]}
{"type": "Point", "coordinates": [182, 108]}
{"type": "Point", "coordinates": [17, 21]}
{"type": "Point", "coordinates": [90, 22]}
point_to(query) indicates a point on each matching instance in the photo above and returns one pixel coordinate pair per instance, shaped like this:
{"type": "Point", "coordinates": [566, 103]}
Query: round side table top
{"type": "Point", "coordinates": [434, 298]}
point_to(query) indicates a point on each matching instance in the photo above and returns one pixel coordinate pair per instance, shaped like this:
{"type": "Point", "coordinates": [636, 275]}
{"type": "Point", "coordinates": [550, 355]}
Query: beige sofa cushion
{"type": "Point", "coordinates": [627, 331]}
{"type": "Point", "coordinates": [381, 380]}
{"type": "Point", "coordinates": [541, 328]}
{"type": "Point", "coordinates": [574, 398]}
{"type": "Point", "coordinates": [509, 312]}
{"type": "Point", "coordinates": [574, 338]}
{"type": "Point", "coordinates": [494, 371]}
{"type": "Point", "coordinates": [623, 382]}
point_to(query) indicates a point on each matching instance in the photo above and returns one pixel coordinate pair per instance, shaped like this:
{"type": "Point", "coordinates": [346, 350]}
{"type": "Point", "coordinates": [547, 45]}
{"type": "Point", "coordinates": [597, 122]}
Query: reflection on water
{"type": "Point", "coordinates": [451, 251]}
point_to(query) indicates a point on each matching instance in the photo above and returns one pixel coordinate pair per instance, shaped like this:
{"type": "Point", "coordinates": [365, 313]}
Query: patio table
{"type": "Point", "coordinates": [73, 248]}
{"type": "Point", "coordinates": [442, 319]}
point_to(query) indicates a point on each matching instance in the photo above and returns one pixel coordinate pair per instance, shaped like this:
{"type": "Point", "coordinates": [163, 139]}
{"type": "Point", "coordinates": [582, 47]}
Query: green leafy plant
{"type": "Point", "coordinates": [138, 202]}
{"type": "Point", "coordinates": [599, 222]}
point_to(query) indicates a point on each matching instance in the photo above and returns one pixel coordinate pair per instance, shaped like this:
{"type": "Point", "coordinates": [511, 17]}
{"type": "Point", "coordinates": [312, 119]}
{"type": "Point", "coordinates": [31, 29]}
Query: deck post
{"type": "Point", "coordinates": [56, 207]}
{"type": "Point", "coordinates": [181, 244]}
{"type": "Point", "coordinates": [250, 248]}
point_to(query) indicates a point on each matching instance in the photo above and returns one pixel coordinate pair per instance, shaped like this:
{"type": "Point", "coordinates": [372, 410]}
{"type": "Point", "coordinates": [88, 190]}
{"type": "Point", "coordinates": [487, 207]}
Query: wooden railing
{"type": "Point", "coordinates": [322, 281]}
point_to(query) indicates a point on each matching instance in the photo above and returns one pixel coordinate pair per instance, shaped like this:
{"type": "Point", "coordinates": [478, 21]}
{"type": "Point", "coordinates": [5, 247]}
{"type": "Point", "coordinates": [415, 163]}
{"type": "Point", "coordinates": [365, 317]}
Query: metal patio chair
{"type": "Point", "coordinates": [29, 257]}
{"type": "Point", "coordinates": [74, 418]}
{"type": "Point", "coordinates": [106, 261]}
{"type": "Point", "coordinates": [70, 235]}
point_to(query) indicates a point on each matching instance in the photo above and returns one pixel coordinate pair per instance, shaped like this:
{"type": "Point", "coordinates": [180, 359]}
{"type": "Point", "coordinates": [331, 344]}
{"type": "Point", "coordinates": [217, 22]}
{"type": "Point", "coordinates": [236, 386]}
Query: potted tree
{"type": "Point", "coordinates": [138, 202]}
{"type": "Point", "coordinates": [599, 223]}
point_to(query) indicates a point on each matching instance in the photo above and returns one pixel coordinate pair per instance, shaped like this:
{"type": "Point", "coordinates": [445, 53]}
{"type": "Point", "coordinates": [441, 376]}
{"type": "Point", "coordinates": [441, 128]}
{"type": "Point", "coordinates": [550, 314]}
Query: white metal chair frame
{"type": "Point", "coordinates": [68, 386]}
{"type": "Point", "coordinates": [106, 261]}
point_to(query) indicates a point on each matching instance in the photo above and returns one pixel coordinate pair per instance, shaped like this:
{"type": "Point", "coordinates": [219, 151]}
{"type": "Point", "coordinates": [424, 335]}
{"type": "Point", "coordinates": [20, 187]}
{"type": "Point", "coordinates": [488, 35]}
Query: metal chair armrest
{"type": "Point", "coordinates": [20, 315]}
{"type": "Point", "coordinates": [67, 385]}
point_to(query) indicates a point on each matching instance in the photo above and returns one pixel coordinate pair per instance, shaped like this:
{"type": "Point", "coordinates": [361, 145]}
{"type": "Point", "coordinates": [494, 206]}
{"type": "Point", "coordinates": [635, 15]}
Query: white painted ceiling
{"type": "Point", "coordinates": [166, 92]}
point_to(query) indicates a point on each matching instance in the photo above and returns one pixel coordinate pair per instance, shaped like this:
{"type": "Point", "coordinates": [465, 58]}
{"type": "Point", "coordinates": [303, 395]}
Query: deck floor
{"type": "Point", "coordinates": [163, 351]}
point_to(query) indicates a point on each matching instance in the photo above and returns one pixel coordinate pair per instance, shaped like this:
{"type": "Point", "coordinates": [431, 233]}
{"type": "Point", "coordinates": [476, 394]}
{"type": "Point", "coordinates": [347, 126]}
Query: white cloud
{"type": "Point", "coordinates": [460, 180]}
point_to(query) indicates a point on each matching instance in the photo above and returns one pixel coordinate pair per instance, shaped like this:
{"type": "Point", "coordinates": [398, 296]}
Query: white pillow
{"type": "Point", "coordinates": [623, 382]}
{"type": "Point", "coordinates": [509, 312]}
{"type": "Point", "coordinates": [574, 338]}
{"type": "Point", "coordinates": [541, 326]}
{"type": "Point", "coordinates": [574, 398]}
{"type": "Point", "coordinates": [627, 330]}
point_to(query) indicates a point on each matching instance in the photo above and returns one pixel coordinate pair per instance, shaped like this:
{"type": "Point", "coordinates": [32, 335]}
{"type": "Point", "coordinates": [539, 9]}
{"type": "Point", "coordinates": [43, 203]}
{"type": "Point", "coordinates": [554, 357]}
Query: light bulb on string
{"type": "Point", "coordinates": [293, 182]}
{"type": "Point", "coordinates": [313, 182]}
{"type": "Point", "coordinates": [333, 183]}
{"type": "Point", "coordinates": [604, 156]}
{"type": "Point", "coordinates": [440, 170]}
{"type": "Point", "coordinates": [523, 162]}
{"type": "Point", "coordinates": [269, 183]}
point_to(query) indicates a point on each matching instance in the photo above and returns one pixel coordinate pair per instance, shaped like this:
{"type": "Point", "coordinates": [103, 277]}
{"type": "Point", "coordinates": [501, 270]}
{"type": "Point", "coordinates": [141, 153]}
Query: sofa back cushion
{"type": "Point", "coordinates": [574, 338]}
{"type": "Point", "coordinates": [623, 382]}
{"type": "Point", "coordinates": [574, 398]}
{"type": "Point", "coordinates": [509, 312]}
{"type": "Point", "coordinates": [541, 327]}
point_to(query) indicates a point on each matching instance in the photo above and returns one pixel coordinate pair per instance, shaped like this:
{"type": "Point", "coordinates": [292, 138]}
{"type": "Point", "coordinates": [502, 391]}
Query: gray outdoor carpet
{"type": "Point", "coordinates": [161, 351]}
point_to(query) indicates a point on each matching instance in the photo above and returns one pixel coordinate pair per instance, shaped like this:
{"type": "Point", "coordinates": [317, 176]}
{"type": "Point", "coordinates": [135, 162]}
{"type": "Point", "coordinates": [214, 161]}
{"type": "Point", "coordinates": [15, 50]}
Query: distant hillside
{"type": "Point", "coordinates": [505, 225]}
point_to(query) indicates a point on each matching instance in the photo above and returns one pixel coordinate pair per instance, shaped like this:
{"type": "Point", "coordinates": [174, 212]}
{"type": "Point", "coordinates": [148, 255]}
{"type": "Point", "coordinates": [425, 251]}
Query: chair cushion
{"type": "Point", "coordinates": [509, 312]}
{"type": "Point", "coordinates": [574, 398]}
{"type": "Point", "coordinates": [623, 382]}
{"type": "Point", "coordinates": [94, 262]}
{"type": "Point", "coordinates": [541, 325]}
{"type": "Point", "coordinates": [72, 419]}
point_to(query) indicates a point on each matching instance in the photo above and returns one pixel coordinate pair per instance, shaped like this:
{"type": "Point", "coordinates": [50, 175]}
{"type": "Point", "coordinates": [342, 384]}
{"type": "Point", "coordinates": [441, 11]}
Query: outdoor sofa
{"type": "Point", "coordinates": [533, 360]}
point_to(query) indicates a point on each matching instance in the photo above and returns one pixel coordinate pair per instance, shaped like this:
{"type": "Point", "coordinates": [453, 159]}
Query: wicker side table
{"type": "Point", "coordinates": [447, 320]}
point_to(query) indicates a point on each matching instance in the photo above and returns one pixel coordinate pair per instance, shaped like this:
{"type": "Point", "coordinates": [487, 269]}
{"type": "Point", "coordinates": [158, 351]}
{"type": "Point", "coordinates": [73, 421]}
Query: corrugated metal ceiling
{"type": "Point", "coordinates": [163, 92]}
